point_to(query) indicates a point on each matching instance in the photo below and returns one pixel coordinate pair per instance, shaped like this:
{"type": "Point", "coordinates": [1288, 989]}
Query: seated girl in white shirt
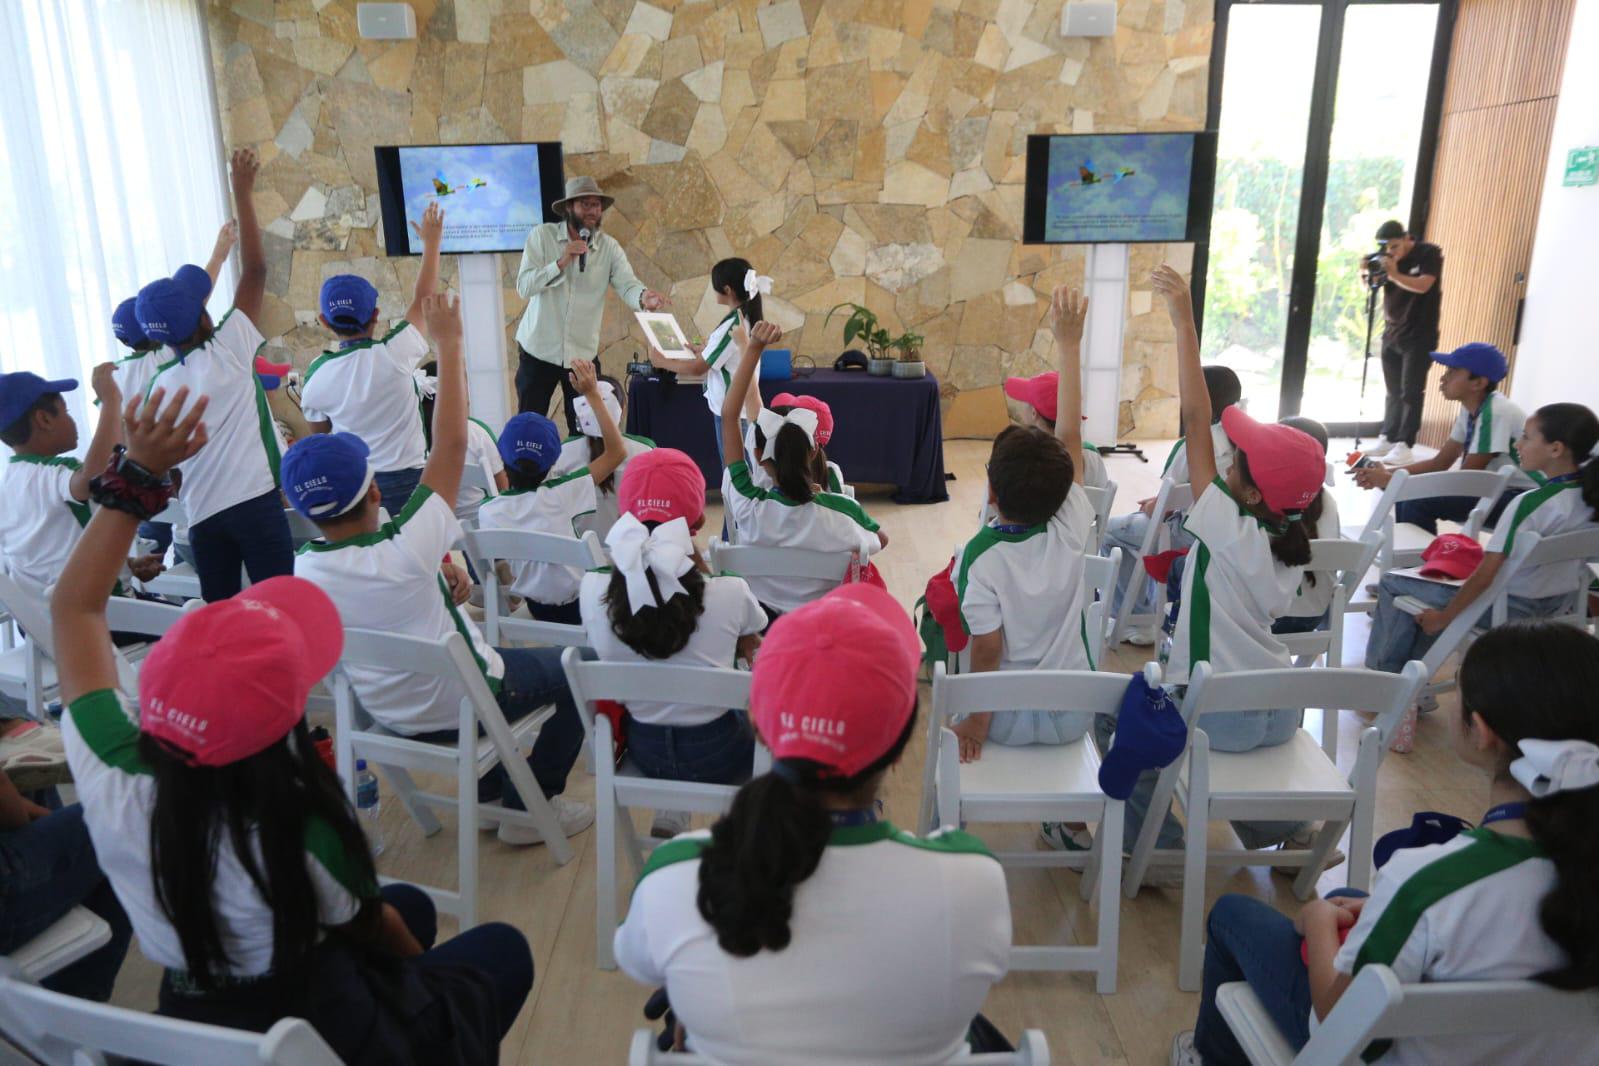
{"type": "Point", "coordinates": [589, 444]}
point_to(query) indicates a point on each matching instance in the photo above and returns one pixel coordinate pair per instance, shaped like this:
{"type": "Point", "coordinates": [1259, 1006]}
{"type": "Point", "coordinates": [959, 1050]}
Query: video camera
{"type": "Point", "coordinates": [1376, 275]}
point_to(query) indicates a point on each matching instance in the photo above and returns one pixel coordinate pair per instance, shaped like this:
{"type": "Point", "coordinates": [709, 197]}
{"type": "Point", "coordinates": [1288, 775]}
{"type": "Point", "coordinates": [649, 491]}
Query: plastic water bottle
{"type": "Point", "coordinates": [368, 805]}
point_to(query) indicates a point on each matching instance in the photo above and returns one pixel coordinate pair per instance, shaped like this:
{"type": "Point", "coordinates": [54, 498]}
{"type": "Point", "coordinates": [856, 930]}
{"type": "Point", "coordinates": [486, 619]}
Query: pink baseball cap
{"type": "Point", "coordinates": [824, 413]}
{"type": "Point", "coordinates": [230, 680]}
{"type": "Point", "coordinates": [835, 680]}
{"type": "Point", "coordinates": [1039, 391]}
{"type": "Point", "coordinates": [1451, 555]}
{"type": "Point", "coordinates": [660, 485]}
{"type": "Point", "coordinates": [1286, 464]}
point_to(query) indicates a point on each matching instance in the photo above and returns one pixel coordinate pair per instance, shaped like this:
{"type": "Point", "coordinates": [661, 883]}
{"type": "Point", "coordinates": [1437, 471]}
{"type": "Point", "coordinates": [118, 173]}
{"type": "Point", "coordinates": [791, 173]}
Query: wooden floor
{"type": "Point", "coordinates": [578, 1014]}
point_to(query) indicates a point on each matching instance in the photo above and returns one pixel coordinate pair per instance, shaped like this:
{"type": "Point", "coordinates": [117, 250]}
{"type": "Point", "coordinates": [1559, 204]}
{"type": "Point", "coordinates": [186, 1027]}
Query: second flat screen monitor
{"type": "Point", "coordinates": [1118, 188]}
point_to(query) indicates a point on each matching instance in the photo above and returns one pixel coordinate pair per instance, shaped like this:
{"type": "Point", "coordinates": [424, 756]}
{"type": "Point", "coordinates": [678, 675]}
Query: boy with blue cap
{"type": "Point", "coordinates": [386, 577]}
{"type": "Point", "coordinates": [1483, 438]}
{"type": "Point", "coordinates": [230, 488]}
{"type": "Point", "coordinates": [365, 384]}
{"type": "Point", "coordinates": [530, 444]}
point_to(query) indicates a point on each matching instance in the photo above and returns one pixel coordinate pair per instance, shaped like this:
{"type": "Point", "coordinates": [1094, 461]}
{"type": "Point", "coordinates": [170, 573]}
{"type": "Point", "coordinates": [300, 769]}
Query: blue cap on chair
{"type": "Point", "coordinates": [1149, 735]}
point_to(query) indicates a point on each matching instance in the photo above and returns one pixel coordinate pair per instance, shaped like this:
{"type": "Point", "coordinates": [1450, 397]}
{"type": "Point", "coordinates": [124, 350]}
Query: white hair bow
{"type": "Point", "coordinates": [426, 383]}
{"type": "Point", "coordinates": [1550, 766]}
{"type": "Point", "coordinates": [756, 284]}
{"type": "Point", "coordinates": [770, 422]}
{"type": "Point", "coordinates": [667, 551]}
{"type": "Point", "coordinates": [589, 425]}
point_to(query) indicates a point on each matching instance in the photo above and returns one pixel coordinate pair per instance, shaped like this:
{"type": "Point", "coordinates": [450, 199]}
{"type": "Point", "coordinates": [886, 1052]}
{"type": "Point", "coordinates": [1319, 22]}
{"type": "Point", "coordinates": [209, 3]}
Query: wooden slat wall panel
{"type": "Point", "coordinates": [1499, 110]}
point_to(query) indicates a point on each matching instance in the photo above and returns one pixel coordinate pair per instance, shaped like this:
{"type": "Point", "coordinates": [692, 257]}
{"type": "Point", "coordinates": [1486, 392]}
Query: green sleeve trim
{"type": "Point", "coordinates": [948, 841]}
{"type": "Point", "coordinates": [317, 364]}
{"type": "Point", "coordinates": [834, 485]}
{"type": "Point", "coordinates": [573, 439]}
{"type": "Point", "coordinates": [683, 849]}
{"type": "Point", "coordinates": [1527, 503]}
{"type": "Point", "coordinates": [49, 460]}
{"type": "Point", "coordinates": [1171, 456]}
{"type": "Point", "coordinates": [395, 329]}
{"type": "Point", "coordinates": [738, 472]}
{"type": "Point", "coordinates": [482, 425]}
{"type": "Point", "coordinates": [847, 507]}
{"type": "Point", "coordinates": [466, 635]}
{"type": "Point", "coordinates": [1198, 605]}
{"type": "Point", "coordinates": [640, 440]}
{"type": "Point", "coordinates": [324, 845]}
{"type": "Point", "coordinates": [108, 731]}
{"type": "Point", "coordinates": [387, 531]}
{"type": "Point", "coordinates": [269, 433]}
{"type": "Point", "coordinates": [1082, 626]}
{"type": "Point", "coordinates": [581, 471]}
{"type": "Point", "coordinates": [1485, 427]}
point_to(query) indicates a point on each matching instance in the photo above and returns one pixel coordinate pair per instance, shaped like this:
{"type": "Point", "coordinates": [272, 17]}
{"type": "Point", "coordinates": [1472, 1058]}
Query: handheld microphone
{"type": "Point", "coordinates": [583, 260]}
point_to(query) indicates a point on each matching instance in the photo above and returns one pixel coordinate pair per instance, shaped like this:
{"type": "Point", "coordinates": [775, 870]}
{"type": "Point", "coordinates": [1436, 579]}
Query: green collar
{"type": "Point", "coordinates": [48, 460]}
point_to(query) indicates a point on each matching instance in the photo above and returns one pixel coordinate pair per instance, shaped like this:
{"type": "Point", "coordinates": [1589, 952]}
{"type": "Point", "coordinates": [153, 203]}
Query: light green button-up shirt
{"type": "Point", "coordinates": [564, 307]}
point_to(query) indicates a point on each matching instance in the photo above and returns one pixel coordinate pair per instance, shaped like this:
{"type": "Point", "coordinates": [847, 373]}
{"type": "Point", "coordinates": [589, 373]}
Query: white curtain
{"type": "Point", "coordinates": [111, 171]}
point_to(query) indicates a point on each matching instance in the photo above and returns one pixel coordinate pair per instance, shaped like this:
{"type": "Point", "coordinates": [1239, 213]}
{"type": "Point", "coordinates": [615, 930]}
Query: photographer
{"type": "Point", "coordinates": [1410, 273]}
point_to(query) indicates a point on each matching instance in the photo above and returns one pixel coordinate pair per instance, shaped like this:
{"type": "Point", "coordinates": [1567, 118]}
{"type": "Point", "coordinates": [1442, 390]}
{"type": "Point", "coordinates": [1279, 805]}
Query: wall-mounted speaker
{"type": "Point", "coordinates": [1088, 19]}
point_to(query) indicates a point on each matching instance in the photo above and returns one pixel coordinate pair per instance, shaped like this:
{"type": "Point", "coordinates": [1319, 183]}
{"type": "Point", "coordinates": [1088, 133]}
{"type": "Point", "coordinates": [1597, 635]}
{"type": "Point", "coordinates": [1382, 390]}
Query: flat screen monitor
{"type": "Point", "coordinates": [1118, 188]}
{"type": "Point", "coordinates": [492, 194]}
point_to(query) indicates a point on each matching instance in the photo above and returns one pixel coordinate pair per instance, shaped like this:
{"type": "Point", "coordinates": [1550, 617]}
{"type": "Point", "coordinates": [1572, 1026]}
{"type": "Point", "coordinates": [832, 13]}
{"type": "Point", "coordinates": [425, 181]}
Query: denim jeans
{"type": "Point", "coordinates": [396, 486]}
{"type": "Point", "coordinates": [497, 949]}
{"type": "Point", "coordinates": [47, 867]}
{"type": "Point", "coordinates": [1429, 512]}
{"type": "Point", "coordinates": [1247, 940]}
{"type": "Point", "coordinates": [533, 679]}
{"type": "Point", "coordinates": [713, 753]}
{"type": "Point", "coordinates": [1396, 638]}
{"type": "Point", "coordinates": [253, 534]}
{"type": "Point", "coordinates": [158, 533]}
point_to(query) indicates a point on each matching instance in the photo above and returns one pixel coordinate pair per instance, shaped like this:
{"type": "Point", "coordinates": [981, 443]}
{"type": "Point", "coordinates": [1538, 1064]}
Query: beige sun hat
{"type": "Point", "coordinates": [577, 188]}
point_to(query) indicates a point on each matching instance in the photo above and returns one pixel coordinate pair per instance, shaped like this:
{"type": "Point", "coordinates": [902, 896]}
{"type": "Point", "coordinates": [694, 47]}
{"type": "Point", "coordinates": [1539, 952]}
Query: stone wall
{"type": "Point", "coordinates": [864, 150]}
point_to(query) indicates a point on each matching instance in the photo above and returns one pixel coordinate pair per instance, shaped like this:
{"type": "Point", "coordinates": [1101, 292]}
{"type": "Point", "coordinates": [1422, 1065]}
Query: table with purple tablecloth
{"type": "Point", "coordinates": [886, 430]}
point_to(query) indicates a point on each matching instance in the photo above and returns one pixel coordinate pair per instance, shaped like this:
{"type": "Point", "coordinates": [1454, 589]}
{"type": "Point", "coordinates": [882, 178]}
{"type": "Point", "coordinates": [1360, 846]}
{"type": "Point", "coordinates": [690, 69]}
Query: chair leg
{"type": "Point", "coordinates": [1305, 880]}
{"type": "Point", "coordinates": [1109, 839]}
{"type": "Point", "coordinates": [605, 871]}
{"type": "Point", "coordinates": [1362, 820]}
{"type": "Point", "coordinates": [421, 813]}
{"type": "Point", "coordinates": [466, 836]}
{"type": "Point", "coordinates": [538, 808]}
{"type": "Point", "coordinates": [1191, 952]}
{"type": "Point", "coordinates": [629, 839]}
{"type": "Point", "coordinates": [1088, 885]}
{"type": "Point", "coordinates": [1149, 832]}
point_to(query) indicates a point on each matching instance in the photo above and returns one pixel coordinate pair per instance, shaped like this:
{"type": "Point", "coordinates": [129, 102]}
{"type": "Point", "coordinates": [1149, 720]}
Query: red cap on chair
{"type": "Point", "coordinates": [231, 679]}
{"type": "Point", "coordinates": [1286, 464]}
{"type": "Point", "coordinates": [1451, 555]}
{"type": "Point", "coordinates": [835, 681]}
{"type": "Point", "coordinates": [824, 413]}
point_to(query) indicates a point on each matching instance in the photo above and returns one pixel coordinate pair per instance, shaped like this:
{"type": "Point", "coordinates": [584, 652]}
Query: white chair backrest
{"type": "Point", "coordinates": [1486, 485]}
{"type": "Point", "coordinates": [1101, 500]}
{"type": "Point", "coordinates": [301, 528]}
{"type": "Point", "coordinates": [58, 1028]}
{"type": "Point", "coordinates": [1331, 689]}
{"type": "Point", "coordinates": [595, 679]}
{"type": "Point", "coordinates": [474, 476]}
{"type": "Point", "coordinates": [174, 514]}
{"type": "Point", "coordinates": [749, 560]}
{"type": "Point", "coordinates": [1005, 691]}
{"type": "Point", "coordinates": [148, 618]}
{"type": "Point", "coordinates": [1033, 1050]}
{"type": "Point", "coordinates": [1346, 560]}
{"type": "Point", "coordinates": [31, 613]}
{"type": "Point", "coordinates": [450, 658]}
{"type": "Point", "coordinates": [486, 546]}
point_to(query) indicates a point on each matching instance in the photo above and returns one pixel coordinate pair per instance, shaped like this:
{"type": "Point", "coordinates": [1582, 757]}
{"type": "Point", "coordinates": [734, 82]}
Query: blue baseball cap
{"type": "Point", "coordinates": [169, 310]}
{"type": "Point", "coordinates": [22, 390]}
{"type": "Point", "coordinates": [530, 437]}
{"type": "Point", "coordinates": [348, 301]}
{"type": "Point", "coordinates": [1149, 734]}
{"type": "Point", "coordinates": [125, 322]}
{"type": "Point", "coordinates": [326, 474]}
{"type": "Point", "coordinates": [1477, 358]}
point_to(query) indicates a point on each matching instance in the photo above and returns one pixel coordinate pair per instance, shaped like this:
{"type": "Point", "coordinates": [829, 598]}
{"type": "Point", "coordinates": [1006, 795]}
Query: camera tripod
{"type": "Point", "coordinates": [1365, 362]}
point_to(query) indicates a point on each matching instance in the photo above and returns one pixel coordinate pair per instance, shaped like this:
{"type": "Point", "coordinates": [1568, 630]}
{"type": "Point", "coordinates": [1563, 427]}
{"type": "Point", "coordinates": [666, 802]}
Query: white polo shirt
{"type": "Point", "coordinates": [1494, 430]}
{"type": "Point", "coordinates": [1029, 583]}
{"type": "Point", "coordinates": [554, 507]}
{"type": "Point", "coordinates": [896, 942]}
{"type": "Point", "coordinates": [482, 451]}
{"type": "Point", "coordinates": [758, 474]}
{"type": "Point", "coordinates": [390, 581]}
{"type": "Point", "coordinates": [240, 460]}
{"type": "Point", "coordinates": [367, 388]}
{"type": "Point", "coordinates": [1094, 474]}
{"type": "Point", "coordinates": [730, 613]}
{"type": "Point", "coordinates": [721, 357]}
{"type": "Point", "coordinates": [1312, 600]}
{"type": "Point", "coordinates": [117, 790]}
{"type": "Point", "coordinates": [1465, 910]}
{"type": "Point", "coordinates": [766, 518]}
{"type": "Point", "coordinates": [1176, 466]}
{"type": "Point", "coordinates": [575, 455]}
{"type": "Point", "coordinates": [1556, 507]}
{"type": "Point", "coordinates": [40, 521]}
{"type": "Point", "coordinates": [1233, 590]}
{"type": "Point", "coordinates": [134, 372]}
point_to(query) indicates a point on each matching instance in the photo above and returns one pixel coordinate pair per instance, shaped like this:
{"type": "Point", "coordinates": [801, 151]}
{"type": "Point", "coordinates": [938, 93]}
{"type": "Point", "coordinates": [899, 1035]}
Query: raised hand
{"type": "Point", "coordinates": [246, 164]}
{"type": "Point", "coordinates": [442, 313]}
{"type": "Point", "coordinates": [1174, 289]}
{"type": "Point", "coordinates": [584, 378]}
{"type": "Point", "coordinates": [104, 382]}
{"type": "Point", "coordinates": [431, 229]}
{"type": "Point", "coordinates": [227, 237]}
{"type": "Point", "coordinates": [1068, 310]}
{"type": "Point", "coordinates": [158, 439]}
{"type": "Point", "coordinates": [764, 334]}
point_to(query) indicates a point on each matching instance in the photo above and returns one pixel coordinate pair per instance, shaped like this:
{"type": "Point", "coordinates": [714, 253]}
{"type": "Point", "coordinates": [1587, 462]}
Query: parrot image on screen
{"type": "Point", "coordinates": [442, 187]}
{"type": "Point", "coordinates": [1089, 176]}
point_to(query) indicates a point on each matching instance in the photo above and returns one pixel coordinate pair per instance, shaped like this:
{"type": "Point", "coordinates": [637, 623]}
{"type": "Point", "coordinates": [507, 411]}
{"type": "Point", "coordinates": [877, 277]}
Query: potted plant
{"type": "Point", "coordinates": [862, 323]}
{"type": "Point", "coordinates": [909, 348]}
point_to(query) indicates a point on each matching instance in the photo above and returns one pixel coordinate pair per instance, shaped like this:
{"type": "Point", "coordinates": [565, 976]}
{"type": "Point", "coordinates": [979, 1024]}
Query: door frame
{"type": "Point", "coordinates": [1313, 187]}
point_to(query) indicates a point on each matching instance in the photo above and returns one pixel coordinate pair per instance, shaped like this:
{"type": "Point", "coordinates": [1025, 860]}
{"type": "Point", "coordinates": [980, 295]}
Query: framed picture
{"type": "Point", "coordinates": [664, 334]}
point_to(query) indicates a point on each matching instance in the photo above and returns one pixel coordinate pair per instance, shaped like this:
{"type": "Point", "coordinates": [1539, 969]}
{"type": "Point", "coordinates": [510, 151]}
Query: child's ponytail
{"type": "Point", "coordinates": [1577, 428]}
{"type": "Point", "coordinates": [728, 276]}
{"type": "Point", "coordinates": [791, 461]}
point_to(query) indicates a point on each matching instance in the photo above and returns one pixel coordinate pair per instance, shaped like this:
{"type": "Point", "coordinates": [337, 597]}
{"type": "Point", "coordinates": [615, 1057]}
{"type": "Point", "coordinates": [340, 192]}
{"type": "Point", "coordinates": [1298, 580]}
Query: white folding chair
{"type": "Point", "coordinates": [757, 561]}
{"type": "Point", "coordinates": [1034, 783]}
{"type": "Point", "coordinates": [1099, 574]}
{"type": "Point", "coordinates": [28, 670]}
{"type": "Point", "coordinates": [76, 934]}
{"type": "Point", "coordinates": [58, 1029]}
{"type": "Point", "coordinates": [1102, 500]}
{"type": "Point", "coordinates": [1343, 562]}
{"type": "Point", "coordinates": [1032, 1051]}
{"type": "Point", "coordinates": [358, 736]}
{"type": "Point", "coordinates": [1295, 781]}
{"type": "Point", "coordinates": [179, 580]}
{"type": "Point", "coordinates": [1376, 1006]}
{"type": "Point", "coordinates": [301, 529]}
{"type": "Point", "coordinates": [1403, 542]}
{"type": "Point", "coordinates": [474, 476]}
{"type": "Point", "coordinates": [619, 788]}
{"type": "Point", "coordinates": [1170, 498]}
{"type": "Point", "coordinates": [485, 547]}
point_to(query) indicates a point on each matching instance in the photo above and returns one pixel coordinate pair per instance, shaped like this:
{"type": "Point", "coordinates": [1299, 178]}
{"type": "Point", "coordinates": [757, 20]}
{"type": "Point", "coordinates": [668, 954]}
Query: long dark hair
{"type": "Point", "coordinates": [769, 844]}
{"type": "Point", "coordinates": [262, 804]}
{"type": "Point", "coordinates": [597, 444]}
{"type": "Point", "coordinates": [1289, 534]}
{"type": "Point", "coordinates": [728, 275]}
{"type": "Point", "coordinates": [1540, 680]}
{"type": "Point", "coordinates": [1575, 426]}
{"type": "Point", "coordinates": [791, 460]}
{"type": "Point", "coordinates": [656, 632]}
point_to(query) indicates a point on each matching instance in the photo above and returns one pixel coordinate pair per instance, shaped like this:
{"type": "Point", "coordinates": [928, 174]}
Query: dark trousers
{"type": "Point", "coordinates": [1428, 513]}
{"type": "Point", "coordinates": [536, 381]}
{"type": "Point", "coordinates": [253, 534]}
{"type": "Point", "coordinates": [1404, 376]}
{"type": "Point", "coordinates": [718, 752]}
{"type": "Point", "coordinates": [396, 486]}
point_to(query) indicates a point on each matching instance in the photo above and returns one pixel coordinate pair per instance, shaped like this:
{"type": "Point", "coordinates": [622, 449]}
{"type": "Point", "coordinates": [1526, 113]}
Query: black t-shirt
{"type": "Point", "coordinates": [1411, 318]}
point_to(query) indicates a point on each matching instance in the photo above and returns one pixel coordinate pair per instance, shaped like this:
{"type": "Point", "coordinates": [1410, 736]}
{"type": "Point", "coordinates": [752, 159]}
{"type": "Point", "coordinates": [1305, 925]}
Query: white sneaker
{"type": "Point", "coordinates": [1304, 840]}
{"type": "Point", "coordinates": [669, 824]}
{"type": "Point", "coordinates": [574, 817]}
{"type": "Point", "coordinates": [1378, 448]}
{"type": "Point", "coordinates": [1142, 636]}
{"type": "Point", "coordinates": [1399, 456]}
{"type": "Point", "coordinates": [1182, 1050]}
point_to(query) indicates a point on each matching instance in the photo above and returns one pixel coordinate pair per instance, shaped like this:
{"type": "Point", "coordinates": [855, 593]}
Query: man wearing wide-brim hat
{"type": "Point", "coordinates": [566, 268]}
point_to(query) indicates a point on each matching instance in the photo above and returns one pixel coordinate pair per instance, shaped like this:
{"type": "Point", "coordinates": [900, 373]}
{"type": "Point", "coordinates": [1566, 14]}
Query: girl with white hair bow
{"type": "Point", "coordinates": [1510, 900]}
{"type": "Point", "coordinates": [587, 445]}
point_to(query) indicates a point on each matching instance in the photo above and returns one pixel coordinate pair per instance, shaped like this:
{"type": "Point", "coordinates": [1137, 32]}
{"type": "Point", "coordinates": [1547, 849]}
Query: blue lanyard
{"type": "Point", "coordinates": [860, 816]}
{"type": "Point", "coordinates": [1012, 528]}
{"type": "Point", "coordinates": [1505, 812]}
{"type": "Point", "coordinates": [1561, 479]}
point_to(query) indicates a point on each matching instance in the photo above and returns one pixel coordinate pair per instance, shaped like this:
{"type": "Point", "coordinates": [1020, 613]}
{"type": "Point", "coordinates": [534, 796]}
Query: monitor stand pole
{"type": "Point", "coordinates": [1105, 283]}
{"type": "Point", "coordinates": [483, 328]}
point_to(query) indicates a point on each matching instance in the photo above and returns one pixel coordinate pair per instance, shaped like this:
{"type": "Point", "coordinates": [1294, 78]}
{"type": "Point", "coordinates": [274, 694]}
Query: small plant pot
{"type": "Point", "coordinates": [880, 368]}
{"type": "Point", "coordinates": [910, 369]}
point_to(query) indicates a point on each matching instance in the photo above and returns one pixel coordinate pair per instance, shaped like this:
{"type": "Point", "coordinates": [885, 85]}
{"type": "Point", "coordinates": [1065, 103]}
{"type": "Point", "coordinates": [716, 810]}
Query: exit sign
{"type": "Point", "coordinates": [1582, 167]}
